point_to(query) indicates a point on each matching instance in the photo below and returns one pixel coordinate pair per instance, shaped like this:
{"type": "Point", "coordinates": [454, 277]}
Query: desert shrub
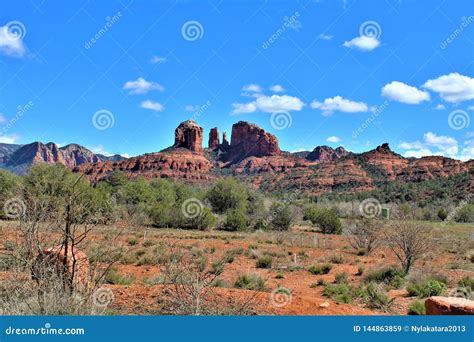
{"type": "Point", "coordinates": [235, 220]}
{"type": "Point", "coordinates": [376, 297]}
{"type": "Point", "coordinates": [426, 288]}
{"type": "Point", "coordinates": [250, 282]}
{"type": "Point", "coordinates": [114, 278]}
{"type": "Point", "coordinates": [336, 259]}
{"type": "Point", "coordinates": [281, 216]}
{"type": "Point", "coordinates": [442, 214]}
{"type": "Point", "coordinates": [326, 219]}
{"type": "Point", "coordinates": [279, 276]}
{"type": "Point", "coordinates": [10, 187]}
{"type": "Point", "coordinates": [389, 275]}
{"type": "Point", "coordinates": [417, 308]}
{"type": "Point", "coordinates": [360, 271]}
{"type": "Point", "coordinates": [341, 278]}
{"type": "Point", "coordinates": [465, 214]}
{"type": "Point", "coordinates": [342, 293]}
{"type": "Point", "coordinates": [227, 194]}
{"type": "Point", "coordinates": [205, 220]}
{"type": "Point", "coordinates": [320, 269]}
{"type": "Point", "coordinates": [264, 262]}
{"type": "Point", "coordinates": [467, 282]}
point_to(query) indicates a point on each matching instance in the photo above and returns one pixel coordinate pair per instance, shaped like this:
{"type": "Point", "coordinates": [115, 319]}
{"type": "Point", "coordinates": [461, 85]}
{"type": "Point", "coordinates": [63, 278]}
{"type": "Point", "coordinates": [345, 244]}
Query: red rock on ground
{"type": "Point", "coordinates": [449, 306]}
{"type": "Point", "coordinates": [52, 260]}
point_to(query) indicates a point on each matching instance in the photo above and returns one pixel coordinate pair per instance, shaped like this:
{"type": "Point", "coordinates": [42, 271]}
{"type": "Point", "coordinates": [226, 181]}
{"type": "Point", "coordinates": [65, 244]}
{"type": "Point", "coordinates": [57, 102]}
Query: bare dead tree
{"type": "Point", "coordinates": [191, 283]}
{"type": "Point", "coordinates": [365, 235]}
{"type": "Point", "coordinates": [408, 242]}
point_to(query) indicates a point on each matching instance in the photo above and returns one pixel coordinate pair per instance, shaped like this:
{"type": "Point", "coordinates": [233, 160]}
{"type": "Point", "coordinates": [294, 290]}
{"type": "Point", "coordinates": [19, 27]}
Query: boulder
{"type": "Point", "coordinates": [188, 135]}
{"type": "Point", "coordinates": [51, 261]}
{"type": "Point", "coordinates": [449, 306]}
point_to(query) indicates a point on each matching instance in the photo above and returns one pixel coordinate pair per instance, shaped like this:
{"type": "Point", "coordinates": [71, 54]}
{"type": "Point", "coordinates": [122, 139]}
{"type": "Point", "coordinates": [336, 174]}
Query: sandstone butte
{"type": "Point", "coordinates": [255, 155]}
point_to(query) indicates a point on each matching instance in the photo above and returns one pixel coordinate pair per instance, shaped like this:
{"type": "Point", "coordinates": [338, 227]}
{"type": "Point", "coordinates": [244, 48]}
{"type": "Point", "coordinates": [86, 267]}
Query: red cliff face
{"type": "Point", "coordinates": [249, 140]}
{"type": "Point", "coordinates": [326, 153]}
{"type": "Point", "coordinates": [214, 138]}
{"type": "Point", "coordinates": [188, 135]}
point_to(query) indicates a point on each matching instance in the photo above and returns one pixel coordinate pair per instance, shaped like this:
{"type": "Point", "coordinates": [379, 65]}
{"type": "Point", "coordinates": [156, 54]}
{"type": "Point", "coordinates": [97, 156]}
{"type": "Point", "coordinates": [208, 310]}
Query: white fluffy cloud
{"type": "Point", "coordinates": [432, 144]}
{"type": "Point", "coordinates": [338, 103]}
{"type": "Point", "coordinates": [440, 107]}
{"type": "Point", "coordinates": [401, 92]}
{"type": "Point", "coordinates": [11, 46]}
{"type": "Point", "coordinates": [155, 106]}
{"type": "Point", "coordinates": [269, 104]}
{"type": "Point", "coordinates": [277, 88]}
{"type": "Point", "coordinates": [333, 139]}
{"type": "Point", "coordinates": [8, 139]}
{"type": "Point", "coordinates": [252, 88]}
{"type": "Point", "coordinates": [453, 87]}
{"type": "Point", "coordinates": [141, 86]}
{"type": "Point", "coordinates": [363, 43]}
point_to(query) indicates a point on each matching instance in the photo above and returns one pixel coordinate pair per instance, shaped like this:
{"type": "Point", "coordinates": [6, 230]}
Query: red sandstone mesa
{"type": "Point", "coordinates": [214, 138]}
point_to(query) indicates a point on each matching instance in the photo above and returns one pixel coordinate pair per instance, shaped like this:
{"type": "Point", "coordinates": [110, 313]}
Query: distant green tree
{"type": "Point", "coordinates": [281, 216]}
{"type": "Point", "coordinates": [227, 194]}
{"type": "Point", "coordinates": [235, 220]}
{"type": "Point", "coordinates": [326, 219]}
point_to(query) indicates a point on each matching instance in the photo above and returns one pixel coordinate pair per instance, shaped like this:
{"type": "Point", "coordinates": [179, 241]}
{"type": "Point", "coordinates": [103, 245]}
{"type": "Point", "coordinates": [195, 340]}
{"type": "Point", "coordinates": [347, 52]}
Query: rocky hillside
{"type": "Point", "coordinates": [254, 156]}
{"type": "Point", "coordinates": [20, 158]}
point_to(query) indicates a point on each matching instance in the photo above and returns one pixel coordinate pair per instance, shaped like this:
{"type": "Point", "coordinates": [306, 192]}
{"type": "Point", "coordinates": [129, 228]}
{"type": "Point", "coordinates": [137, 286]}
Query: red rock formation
{"type": "Point", "coordinates": [175, 164]}
{"type": "Point", "coordinates": [250, 140]}
{"type": "Point", "coordinates": [225, 142]}
{"type": "Point", "coordinates": [75, 266]}
{"type": "Point", "coordinates": [449, 306]}
{"type": "Point", "coordinates": [326, 153]}
{"type": "Point", "coordinates": [188, 135]}
{"type": "Point", "coordinates": [213, 138]}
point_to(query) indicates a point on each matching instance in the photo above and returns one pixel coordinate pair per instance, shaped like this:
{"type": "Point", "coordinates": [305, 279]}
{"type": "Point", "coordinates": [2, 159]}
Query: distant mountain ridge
{"type": "Point", "coordinates": [20, 158]}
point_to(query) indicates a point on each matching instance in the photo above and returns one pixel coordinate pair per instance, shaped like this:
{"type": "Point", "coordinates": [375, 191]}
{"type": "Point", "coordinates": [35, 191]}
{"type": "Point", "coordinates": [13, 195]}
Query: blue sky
{"type": "Point", "coordinates": [119, 76]}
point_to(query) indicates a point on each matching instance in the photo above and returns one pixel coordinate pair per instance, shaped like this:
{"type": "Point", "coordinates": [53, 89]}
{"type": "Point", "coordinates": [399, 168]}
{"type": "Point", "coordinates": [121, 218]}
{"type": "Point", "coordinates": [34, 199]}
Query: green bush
{"type": "Point", "coordinates": [264, 262]}
{"type": "Point", "coordinates": [341, 278]}
{"type": "Point", "coordinates": [281, 216]}
{"type": "Point", "coordinates": [250, 282]}
{"type": "Point", "coordinates": [426, 288]}
{"type": "Point", "coordinates": [326, 219]}
{"type": "Point", "coordinates": [417, 308]}
{"type": "Point", "coordinates": [389, 275]}
{"type": "Point", "coordinates": [467, 282]}
{"type": "Point", "coordinates": [227, 194]}
{"type": "Point", "coordinates": [442, 214]}
{"type": "Point", "coordinates": [342, 293]}
{"type": "Point", "coordinates": [465, 214]}
{"type": "Point", "coordinates": [235, 220]}
{"type": "Point", "coordinates": [320, 269]}
{"type": "Point", "coordinates": [377, 298]}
